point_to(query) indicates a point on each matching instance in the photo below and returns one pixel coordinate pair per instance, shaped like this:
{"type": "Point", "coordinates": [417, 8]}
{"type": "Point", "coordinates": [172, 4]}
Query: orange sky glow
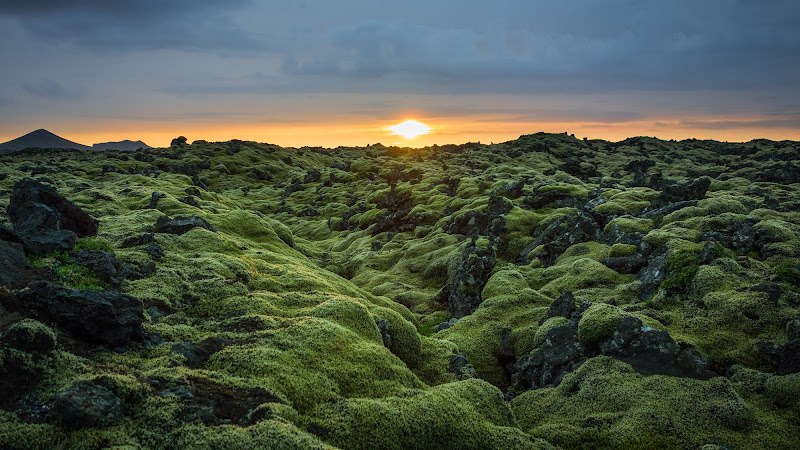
{"type": "Point", "coordinates": [485, 129]}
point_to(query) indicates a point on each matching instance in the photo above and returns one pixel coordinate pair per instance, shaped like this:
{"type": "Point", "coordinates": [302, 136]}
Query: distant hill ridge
{"type": "Point", "coordinates": [127, 144]}
{"type": "Point", "coordinates": [42, 138]}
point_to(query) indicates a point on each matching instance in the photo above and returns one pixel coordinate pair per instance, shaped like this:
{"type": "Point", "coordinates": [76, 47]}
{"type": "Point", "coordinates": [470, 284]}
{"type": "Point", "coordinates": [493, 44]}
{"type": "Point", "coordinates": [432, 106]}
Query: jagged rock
{"type": "Point", "coordinates": [539, 198]}
{"type": "Point", "coordinates": [482, 223]}
{"type": "Point", "coordinates": [625, 264]}
{"type": "Point", "coordinates": [144, 239]}
{"type": "Point", "coordinates": [36, 208]}
{"type": "Point", "coordinates": [191, 201]}
{"type": "Point", "coordinates": [504, 354]}
{"type": "Point", "coordinates": [13, 263]}
{"type": "Point", "coordinates": [744, 237]}
{"type": "Point", "coordinates": [546, 366]}
{"type": "Point", "coordinates": [647, 350]}
{"type": "Point", "coordinates": [49, 242]}
{"type": "Point", "coordinates": [87, 405]}
{"type": "Point", "coordinates": [785, 358]}
{"type": "Point", "coordinates": [181, 224]}
{"type": "Point", "coordinates": [652, 275]}
{"type": "Point", "coordinates": [285, 209]}
{"type": "Point", "coordinates": [653, 352]}
{"type": "Point", "coordinates": [563, 306]}
{"type": "Point", "coordinates": [667, 209]}
{"type": "Point", "coordinates": [446, 325]}
{"type": "Point", "coordinates": [308, 212]}
{"type": "Point", "coordinates": [155, 251]}
{"type": "Point", "coordinates": [197, 354]}
{"type": "Point", "coordinates": [312, 176]}
{"type": "Point", "coordinates": [460, 366]}
{"type": "Point", "coordinates": [193, 191]}
{"type": "Point", "coordinates": [104, 317]}
{"type": "Point", "coordinates": [560, 235]}
{"type": "Point", "coordinates": [106, 265]}
{"type": "Point", "coordinates": [691, 190]}
{"type": "Point", "coordinates": [639, 168]}
{"type": "Point", "coordinates": [464, 289]}
{"type": "Point", "coordinates": [510, 190]}
{"type": "Point", "coordinates": [383, 327]}
{"type": "Point", "coordinates": [155, 197]}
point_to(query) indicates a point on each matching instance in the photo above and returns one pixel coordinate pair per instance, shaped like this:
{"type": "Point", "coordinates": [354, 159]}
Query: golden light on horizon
{"type": "Point", "coordinates": [409, 129]}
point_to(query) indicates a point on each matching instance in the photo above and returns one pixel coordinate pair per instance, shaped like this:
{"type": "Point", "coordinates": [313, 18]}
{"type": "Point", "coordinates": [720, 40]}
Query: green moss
{"type": "Point", "coordinates": [628, 410]}
{"type": "Point", "coordinates": [630, 224]}
{"type": "Point", "coordinates": [79, 277]}
{"type": "Point", "coordinates": [469, 414]}
{"type": "Point", "coordinates": [622, 250]}
{"type": "Point", "coordinates": [599, 322]}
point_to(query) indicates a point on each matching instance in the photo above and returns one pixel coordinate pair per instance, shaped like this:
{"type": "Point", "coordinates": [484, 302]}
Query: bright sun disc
{"type": "Point", "coordinates": [409, 129]}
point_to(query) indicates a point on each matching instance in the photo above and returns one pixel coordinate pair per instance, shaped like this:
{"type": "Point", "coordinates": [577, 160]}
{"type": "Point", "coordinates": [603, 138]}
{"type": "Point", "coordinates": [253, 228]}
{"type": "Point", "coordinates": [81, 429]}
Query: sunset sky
{"type": "Point", "coordinates": [295, 72]}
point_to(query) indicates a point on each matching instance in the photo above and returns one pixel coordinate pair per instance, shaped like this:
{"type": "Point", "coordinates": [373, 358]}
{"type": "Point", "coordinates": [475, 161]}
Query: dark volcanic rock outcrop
{"type": "Point", "coordinates": [36, 208]}
{"type": "Point", "coordinates": [181, 224]}
{"type": "Point", "coordinates": [103, 317]}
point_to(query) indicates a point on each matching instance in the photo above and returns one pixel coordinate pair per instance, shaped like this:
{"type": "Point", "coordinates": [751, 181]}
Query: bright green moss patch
{"type": "Point", "coordinates": [469, 414]}
{"type": "Point", "coordinates": [598, 323]}
{"type": "Point", "coordinates": [628, 410]}
{"type": "Point", "coordinates": [622, 250]}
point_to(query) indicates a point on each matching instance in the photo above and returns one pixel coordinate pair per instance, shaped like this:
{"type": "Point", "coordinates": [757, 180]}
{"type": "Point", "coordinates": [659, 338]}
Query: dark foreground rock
{"type": "Point", "coordinates": [36, 208]}
{"type": "Point", "coordinates": [647, 350]}
{"type": "Point", "coordinates": [13, 263]}
{"type": "Point", "coordinates": [463, 292]}
{"type": "Point", "coordinates": [785, 358]}
{"type": "Point", "coordinates": [103, 317]}
{"type": "Point", "coordinates": [181, 224]}
{"type": "Point", "coordinates": [87, 405]}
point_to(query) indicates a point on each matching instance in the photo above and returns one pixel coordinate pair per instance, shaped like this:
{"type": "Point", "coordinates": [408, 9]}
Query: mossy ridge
{"type": "Point", "coordinates": [626, 409]}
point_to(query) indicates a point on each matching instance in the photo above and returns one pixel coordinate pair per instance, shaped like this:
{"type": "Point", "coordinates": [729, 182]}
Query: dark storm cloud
{"type": "Point", "coordinates": [201, 25]}
{"type": "Point", "coordinates": [514, 46]}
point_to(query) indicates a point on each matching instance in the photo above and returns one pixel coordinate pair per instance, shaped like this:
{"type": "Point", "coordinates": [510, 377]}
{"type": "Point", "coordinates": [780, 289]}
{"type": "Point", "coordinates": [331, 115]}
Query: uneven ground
{"type": "Point", "coordinates": [312, 317]}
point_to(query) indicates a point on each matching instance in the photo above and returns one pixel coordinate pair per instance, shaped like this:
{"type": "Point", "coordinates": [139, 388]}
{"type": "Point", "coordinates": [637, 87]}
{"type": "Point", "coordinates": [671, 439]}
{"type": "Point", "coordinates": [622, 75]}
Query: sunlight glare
{"type": "Point", "coordinates": [409, 129]}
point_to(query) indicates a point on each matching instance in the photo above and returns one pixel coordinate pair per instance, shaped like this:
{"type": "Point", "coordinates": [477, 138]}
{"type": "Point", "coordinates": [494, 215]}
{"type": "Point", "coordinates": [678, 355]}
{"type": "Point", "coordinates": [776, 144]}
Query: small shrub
{"type": "Point", "coordinates": [682, 267]}
{"type": "Point", "coordinates": [93, 243]}
{"type": "Point", "coordinates": [79, 277]}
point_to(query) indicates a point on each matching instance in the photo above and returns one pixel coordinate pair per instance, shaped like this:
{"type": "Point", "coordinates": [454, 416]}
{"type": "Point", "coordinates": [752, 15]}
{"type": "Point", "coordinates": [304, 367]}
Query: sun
{"type": "Point", "coordinates": [409, 129]}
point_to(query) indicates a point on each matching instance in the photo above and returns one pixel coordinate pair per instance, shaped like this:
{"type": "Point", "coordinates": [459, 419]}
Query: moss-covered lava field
{"type": "Point", "coordinates": [546, 292]}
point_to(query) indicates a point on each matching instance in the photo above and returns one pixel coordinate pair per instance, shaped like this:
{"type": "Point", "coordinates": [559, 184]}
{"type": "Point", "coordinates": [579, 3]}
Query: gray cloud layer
{"type": "Point", "coordinates": [467, 45]}
{"type": "Point", "coordinates": [197, 49]}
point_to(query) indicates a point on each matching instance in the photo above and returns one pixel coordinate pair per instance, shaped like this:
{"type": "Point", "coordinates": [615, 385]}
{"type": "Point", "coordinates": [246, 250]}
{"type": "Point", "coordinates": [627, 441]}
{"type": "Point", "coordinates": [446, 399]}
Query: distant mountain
{"type": "Point", "coordinates": [121, 145]}
{"type": "Point", "coordinates": [40, 139]}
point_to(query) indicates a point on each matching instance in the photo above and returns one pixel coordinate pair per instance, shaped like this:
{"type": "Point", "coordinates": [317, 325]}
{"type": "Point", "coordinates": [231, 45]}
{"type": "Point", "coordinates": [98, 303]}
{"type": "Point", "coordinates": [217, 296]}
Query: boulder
{"type": "Point", "coordinates": [652, 275]}
{"type": "Point", "coordinates": [103, 317]}
{"type": "Point", "coordinates": [464, 289]}
{"type": "Point", "coordinates": [563, 306]}
{"type": "Point", "coordinates": [105, 264]}
{"type": "Point", "coordinates": [87, 405]}
{"type": "Point", "coordinates": [13, 263]}
{"type": "Point", "coordinates": [625, 264]}
{"type": "Point", "coordinates": [36, 208]}
{"type": "Point", "coordinates": [181, 224]}
{"type": "Point", "coordinates": [560, 354]}
{"type": "Point", "coordinates": [653, 352]}
{"type": "Point", "coordinates": [49, 242]}
{"type": "Point", "coordinates": [155, 197]}
{"type": "Point", "coordinates": [785, 358]}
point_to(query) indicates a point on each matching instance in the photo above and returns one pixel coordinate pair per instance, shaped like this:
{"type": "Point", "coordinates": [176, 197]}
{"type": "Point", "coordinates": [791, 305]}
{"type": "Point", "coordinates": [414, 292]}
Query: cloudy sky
{"type": "Point", "coordinates": [312, 72]}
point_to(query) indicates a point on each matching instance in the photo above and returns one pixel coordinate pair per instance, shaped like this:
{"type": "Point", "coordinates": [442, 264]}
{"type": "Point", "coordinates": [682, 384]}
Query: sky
{"type": "Point", "coordinates": [312, 72]}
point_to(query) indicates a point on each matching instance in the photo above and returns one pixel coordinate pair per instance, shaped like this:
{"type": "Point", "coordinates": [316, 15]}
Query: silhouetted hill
{"type": "Point", "coordinates": [40, 139]}
{"type": "Point", "coordinates": [121, 145]}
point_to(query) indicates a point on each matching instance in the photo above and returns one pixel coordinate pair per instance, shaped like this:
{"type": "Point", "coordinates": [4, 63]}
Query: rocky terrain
{"type": "Point", "coordinates": [546, 292]}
